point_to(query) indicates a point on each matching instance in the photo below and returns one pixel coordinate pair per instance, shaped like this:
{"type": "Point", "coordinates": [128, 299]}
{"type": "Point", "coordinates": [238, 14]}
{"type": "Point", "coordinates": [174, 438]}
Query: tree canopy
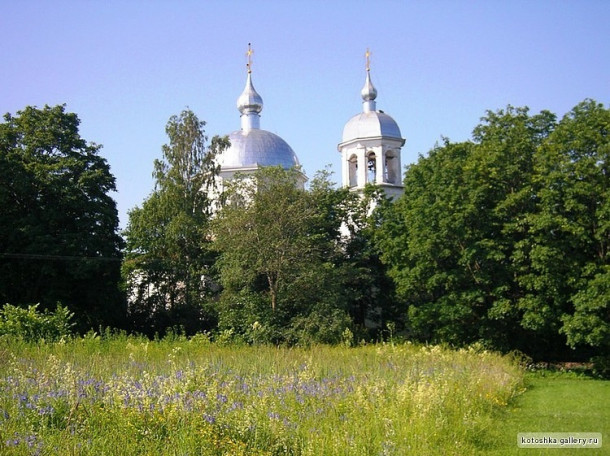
{"type": "Point", "coordinates": [502, 239]}
{"type": "Point", "coordinates": [276, 279]}
{"type": "Point", "coordinates": [59, 238]}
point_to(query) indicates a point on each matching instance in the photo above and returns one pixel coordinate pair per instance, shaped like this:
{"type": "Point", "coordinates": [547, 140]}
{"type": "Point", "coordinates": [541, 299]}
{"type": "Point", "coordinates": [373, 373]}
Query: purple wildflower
{"type": "Point", "coordinates": [236, 405]}
{"type": "Point", "coordinates": [13, 442]}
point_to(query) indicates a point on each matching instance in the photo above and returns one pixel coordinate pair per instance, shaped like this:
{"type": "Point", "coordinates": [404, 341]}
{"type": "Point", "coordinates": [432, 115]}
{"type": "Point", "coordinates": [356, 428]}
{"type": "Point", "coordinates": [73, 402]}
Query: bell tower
{"type": "Point", "coordinates": [371, 145]}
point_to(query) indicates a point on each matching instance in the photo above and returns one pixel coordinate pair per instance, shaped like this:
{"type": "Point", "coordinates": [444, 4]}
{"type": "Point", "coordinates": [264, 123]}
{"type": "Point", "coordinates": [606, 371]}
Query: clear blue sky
{"type": "Point", "coordinates": [126, 66]}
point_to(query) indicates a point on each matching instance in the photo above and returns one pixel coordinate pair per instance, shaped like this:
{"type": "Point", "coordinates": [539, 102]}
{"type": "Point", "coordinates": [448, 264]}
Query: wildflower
{"type": "Point", "coordinates": [30, 441]}
{"type": "Point", "coordinates": [48, 410]}
{"type": "Point", "coordinates": [237, 405]}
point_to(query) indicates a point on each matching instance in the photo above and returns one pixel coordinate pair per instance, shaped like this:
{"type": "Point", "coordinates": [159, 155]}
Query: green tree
{"type": "Point", "coordinates": [421, 239]}
{"type": "Point", "coordinates": [507, 146]}
{"type": "Point", "coordinates": [449, 239]}
{"type": "Point", "coordinates": [567, 259]}
{"type": "Point", "coordinates": [504, 238]}
{"type": "Point", "coordinates": [262, 231]}
{"type": "Point", "coordinates": [345, 227]}
{"type": "Point", "coordinates": [168, 257]}
{"type": "Point", "coordinates": [59, 227]}
{"type": "Point", "coordinates": [275, 262]}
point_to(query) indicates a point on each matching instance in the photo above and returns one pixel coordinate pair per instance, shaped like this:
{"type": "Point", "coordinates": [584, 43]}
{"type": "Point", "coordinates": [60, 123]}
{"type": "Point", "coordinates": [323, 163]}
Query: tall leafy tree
{"type": "Point", "coordinates": [262, 231]}
{"type": "Point", "coordinates": [504, 238]}
{"type": "Point", "coordinates": [59, 227]}
{"type": "Point", "coordinates": [450, 239]}
{"type": "Point", "coordinates": [506, 146]}
{"type": "Point", "coordinates": [275, 262]}
{"type": "Point", "coordinates": [168, 257]}
{"type": "Point", "coordinates": [345, 227]}
{"type": "Point", "coordinates": [422, 240]}
{"type": "Point", "coordinates": [568, 259]}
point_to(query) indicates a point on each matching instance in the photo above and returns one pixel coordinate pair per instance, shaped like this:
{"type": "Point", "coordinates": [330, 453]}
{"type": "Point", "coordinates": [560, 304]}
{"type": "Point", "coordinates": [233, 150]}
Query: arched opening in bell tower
{"type": "Point", "coordinates": [392, 165]}
{"type": "Point", "coordinates": [353, 170]}
{"type": "Point", "coordinates": [371, 167]}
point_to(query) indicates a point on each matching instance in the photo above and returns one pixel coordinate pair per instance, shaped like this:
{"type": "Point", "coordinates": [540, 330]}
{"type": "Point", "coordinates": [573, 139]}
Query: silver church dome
{"type": "Point", "coordinates": [255, 147]}
{"type": "Point", "coordinates": [372, 124]}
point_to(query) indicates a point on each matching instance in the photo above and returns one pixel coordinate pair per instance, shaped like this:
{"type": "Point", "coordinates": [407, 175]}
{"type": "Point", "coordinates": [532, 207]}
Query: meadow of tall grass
{"type": "Point", "coordinates": [127, 395]}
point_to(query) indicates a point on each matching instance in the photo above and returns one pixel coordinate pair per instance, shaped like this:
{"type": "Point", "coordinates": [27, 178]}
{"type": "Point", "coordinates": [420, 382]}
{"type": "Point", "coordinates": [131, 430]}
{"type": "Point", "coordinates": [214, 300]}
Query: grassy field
{"type": "Point", "coordinates": [554, 402]}
{"type": "Point", "coordinates": [136, 397]}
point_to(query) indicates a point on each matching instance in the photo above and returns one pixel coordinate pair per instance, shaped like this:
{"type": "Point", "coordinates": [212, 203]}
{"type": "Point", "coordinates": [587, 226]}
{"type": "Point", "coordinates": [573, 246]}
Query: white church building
{"type": "Point", "coordinates": [370, 153]}
{"type": "Point", "coordinates": [370, 146]}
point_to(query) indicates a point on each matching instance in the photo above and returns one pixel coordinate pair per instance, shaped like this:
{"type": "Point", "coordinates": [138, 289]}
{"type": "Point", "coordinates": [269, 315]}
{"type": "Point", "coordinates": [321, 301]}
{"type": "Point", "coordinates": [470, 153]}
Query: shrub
{"type": "Point", "coordinates": [31, 325]}
{"type": "Point", "coordinates": [601, 366]}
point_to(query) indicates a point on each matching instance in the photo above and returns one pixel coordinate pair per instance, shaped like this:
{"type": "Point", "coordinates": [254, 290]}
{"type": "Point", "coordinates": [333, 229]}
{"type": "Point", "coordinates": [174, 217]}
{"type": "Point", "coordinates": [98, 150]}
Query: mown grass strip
{"type": "Point", "coordinates": [552, 402]}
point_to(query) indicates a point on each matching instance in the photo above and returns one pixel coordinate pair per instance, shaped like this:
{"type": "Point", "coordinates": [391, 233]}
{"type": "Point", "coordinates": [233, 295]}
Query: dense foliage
{"type": "Point", "coordinates": [272, 264]}
{"type": "Point", "coordinates": [289, 270]}
{"type": "Point", "coordinates": [59, 236]}
{"type": "Point", "coordinates": [503, 239]}
{"type": "Point", "coordinates": [31, 325]}
{"type": "Point", "coordinates": [168, 251]}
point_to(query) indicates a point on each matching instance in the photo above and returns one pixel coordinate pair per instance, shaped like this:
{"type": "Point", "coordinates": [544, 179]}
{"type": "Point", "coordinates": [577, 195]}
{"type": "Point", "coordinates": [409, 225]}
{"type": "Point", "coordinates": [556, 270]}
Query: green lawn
{"type": "Point", "coordinates": [554, 402]}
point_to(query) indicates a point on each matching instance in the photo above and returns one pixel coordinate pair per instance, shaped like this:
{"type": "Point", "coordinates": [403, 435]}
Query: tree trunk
{"type": "Point", "coordinates": [272, 292]}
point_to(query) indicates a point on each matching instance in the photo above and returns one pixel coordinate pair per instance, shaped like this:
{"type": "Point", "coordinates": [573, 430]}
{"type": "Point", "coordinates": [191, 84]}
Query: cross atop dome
{"type": "Point", "coordinates": [252, 147]}
{"type": "Point", "coordinates": [249, 56]}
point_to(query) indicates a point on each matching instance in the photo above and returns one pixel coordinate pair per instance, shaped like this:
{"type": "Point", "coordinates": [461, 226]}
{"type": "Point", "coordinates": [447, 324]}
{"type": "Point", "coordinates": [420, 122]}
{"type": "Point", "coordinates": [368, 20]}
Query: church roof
{"type": "Point", "coordinates": [372, 124]}
{"type": "Point", "coordinates": [256, 147]}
